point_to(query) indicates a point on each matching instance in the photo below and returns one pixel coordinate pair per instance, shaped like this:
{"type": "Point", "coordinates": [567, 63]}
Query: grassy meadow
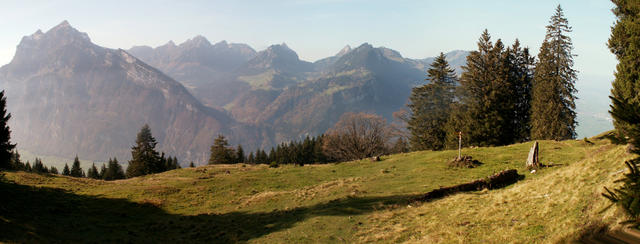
{"type": "Point", "coordinates": [352, 202]}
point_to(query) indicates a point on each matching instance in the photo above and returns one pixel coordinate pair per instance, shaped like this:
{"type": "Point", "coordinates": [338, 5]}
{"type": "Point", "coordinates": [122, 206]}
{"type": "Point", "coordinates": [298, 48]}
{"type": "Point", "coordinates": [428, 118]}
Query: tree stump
{"type": "Point", "coordinates": [532, 160]}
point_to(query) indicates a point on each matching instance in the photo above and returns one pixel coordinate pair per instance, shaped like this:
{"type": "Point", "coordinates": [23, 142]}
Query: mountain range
{"type": "Point", "coordinates": [69, 96]}
{"type": "Point", "coordinates": [293, 98]}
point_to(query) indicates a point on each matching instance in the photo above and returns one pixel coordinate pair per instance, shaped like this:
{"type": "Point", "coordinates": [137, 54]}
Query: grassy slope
{"type": "Point", "coordinates": [350, 202]}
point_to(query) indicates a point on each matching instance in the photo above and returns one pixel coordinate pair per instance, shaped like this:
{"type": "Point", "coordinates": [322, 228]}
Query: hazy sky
{"type": "Point", "coordinates": [319, 28]}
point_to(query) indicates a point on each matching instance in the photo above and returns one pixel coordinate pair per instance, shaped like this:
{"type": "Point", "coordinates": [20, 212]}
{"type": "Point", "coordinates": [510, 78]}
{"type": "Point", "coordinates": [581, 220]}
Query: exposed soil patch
{"type": "Point", "coordinates": [499, 180]}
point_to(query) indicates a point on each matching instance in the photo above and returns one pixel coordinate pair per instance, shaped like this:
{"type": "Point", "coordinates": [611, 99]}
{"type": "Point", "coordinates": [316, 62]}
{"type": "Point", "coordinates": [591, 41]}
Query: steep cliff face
{"type": "Point", "coordinates": [207, 70]}
{"type": "Point", "coordinates": [69, 96]}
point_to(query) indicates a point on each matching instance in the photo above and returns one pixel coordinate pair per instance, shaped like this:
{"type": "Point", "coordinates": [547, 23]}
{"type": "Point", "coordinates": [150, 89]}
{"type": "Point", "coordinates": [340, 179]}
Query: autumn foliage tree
{"type": "Point", "coordinates": [357, 136]}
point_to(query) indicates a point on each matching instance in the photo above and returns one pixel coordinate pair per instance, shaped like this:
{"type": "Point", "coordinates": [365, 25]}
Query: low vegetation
{"type": "Point", "coordinates": [359, 201]}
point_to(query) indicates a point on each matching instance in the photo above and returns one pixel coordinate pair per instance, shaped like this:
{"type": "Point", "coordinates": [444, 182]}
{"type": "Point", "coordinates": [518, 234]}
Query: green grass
{"type": "Point", "coordinates": [359, 201]}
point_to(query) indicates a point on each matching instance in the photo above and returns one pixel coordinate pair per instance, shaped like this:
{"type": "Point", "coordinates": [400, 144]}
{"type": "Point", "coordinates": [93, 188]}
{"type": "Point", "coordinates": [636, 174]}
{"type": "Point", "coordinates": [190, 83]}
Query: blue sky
{"type": "Point", "coordinates": [320, 28]}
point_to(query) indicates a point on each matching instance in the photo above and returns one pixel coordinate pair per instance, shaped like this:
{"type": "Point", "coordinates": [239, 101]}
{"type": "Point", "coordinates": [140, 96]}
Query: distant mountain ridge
{"type": "Point", "coordinates": [296, 98]}
{"type": "Point", "coordinates": [69, 96]}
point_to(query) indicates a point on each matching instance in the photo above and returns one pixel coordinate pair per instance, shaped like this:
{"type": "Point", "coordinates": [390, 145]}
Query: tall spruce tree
{"type": "Point", "coordinates": [430, 106]}
{"type": "Point", "coordinates": [521, 65]}
{"type": "Point", "coordinates": [144, 158]}
{"type": "Point", "coordinates": [5, 134]}
{"type": "Point", "coordinates": [625, 95]}
{"type": "Point", "coordinates": [76, 170]}
{"type": "Point", "coordinates": [553, 101]}
{"type": "Point", "coordinates": [220, 153]}
{"type": "Point", "coordinates": [624, 43]}
{"type": "Point", "coordinates": [484, 113]}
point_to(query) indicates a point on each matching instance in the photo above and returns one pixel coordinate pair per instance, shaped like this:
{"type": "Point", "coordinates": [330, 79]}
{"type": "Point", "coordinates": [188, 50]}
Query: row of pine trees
{"type": "Point", "coordinates": [307, 151]}
{"type": "Point", "coordinates": [504, 95]}
{"type": "Point", "coordinates": [145, 160]}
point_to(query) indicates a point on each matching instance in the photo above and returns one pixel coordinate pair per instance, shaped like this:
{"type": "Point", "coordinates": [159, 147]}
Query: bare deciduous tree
{"type": "Point", "coordinates": [357, 136]}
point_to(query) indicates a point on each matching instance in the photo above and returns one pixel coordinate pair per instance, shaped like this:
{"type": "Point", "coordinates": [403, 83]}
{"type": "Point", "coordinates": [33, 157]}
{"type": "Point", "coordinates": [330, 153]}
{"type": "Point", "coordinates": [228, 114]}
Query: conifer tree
{"type": "Point", "coordinates": [624, 42]}
{"type": "Point", "coordinates": [272, 156]}
{"type": "Point", "coordinates": [307, 151]}
{"type": "Point", "coordinates": [318, 152]}
{"type": "Point", "coordinates": [162, 165]}
{"type": "Point", "coordinates": [430, 106]}
{"type": "Point", "coordinates": [484, 113]}
{"type": "Point", "coordinates": [66, 171]}
{"type": "Point", "coordinates": [16, 163]}
{"type": "Point", "coordinates": [53, 170]}
{"type": "Point", "coordinates": [625, 45]}
{"type": "Point", "coordinates": [191, 165]}
{"type": "Point", "coordinates": [27, 167]}
{"type": "Point", "coordinates": [76, 170]}
{"type": "Point", "coordinates": [169, 165]}
{"type": "Point", "coordinates": [93, 172]}
{"type": "Point", "coordinates": [261, 157]}
{"type": "Point", "coordinates": [521, 66]}
{"type": "Point", "coordinates": [251, 159]}
{"type": "Point", "coordinates": [5, 134]}
{"type": "Point", "coordinates": [103, 171]}
{"type": "Point", "coordinates": [220, 153]}
{"type": "Point", "coordinates": [240, 158]}
{"type": "Point", "coordinates": [114, 170]}
{"type": "Point", "coordinates": [553, 101]}
{"type": "Point", "coordinates": [176, 164]}
{"type": "Point", "coordinates": [144, 158]}
{"type": "Point", "coordinates": [38, 167]}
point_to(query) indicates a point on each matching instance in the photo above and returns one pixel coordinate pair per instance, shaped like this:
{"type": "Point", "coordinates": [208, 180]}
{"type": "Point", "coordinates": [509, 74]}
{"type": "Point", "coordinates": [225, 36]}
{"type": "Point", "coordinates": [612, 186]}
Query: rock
{"type": "Point", "coordinates": [532, 160]}
{"type": "Point", "coordinates": [375, 159]}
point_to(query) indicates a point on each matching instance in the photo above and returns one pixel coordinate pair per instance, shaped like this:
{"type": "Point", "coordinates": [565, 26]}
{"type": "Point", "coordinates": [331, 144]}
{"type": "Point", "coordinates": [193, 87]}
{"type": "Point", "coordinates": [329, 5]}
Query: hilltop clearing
{"type": "Point", "coordinates": [359, 201]}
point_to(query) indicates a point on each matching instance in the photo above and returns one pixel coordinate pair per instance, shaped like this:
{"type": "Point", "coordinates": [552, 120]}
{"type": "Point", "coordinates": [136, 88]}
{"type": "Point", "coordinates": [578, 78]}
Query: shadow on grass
{"type": "Point", "coordinates": [34, 214]}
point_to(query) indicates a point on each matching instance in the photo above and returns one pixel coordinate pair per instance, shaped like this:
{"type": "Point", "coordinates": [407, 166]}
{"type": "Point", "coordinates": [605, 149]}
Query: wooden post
{"type": "Point", "coordinates": [459, 145]}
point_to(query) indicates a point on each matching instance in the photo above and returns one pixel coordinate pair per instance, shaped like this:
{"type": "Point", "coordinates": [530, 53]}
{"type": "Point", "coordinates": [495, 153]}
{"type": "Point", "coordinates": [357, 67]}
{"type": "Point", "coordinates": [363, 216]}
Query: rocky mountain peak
{"type": "Point", "coordinates": [197, 41]}
{"type": "Point", "coordinates": [344, 51]}
{"type": "Point", "coordinates": [281, 51]}
{"type": "Point", "coordinates": [170, 43]}
{"type": "Point", "coordinates": [222, 43]}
